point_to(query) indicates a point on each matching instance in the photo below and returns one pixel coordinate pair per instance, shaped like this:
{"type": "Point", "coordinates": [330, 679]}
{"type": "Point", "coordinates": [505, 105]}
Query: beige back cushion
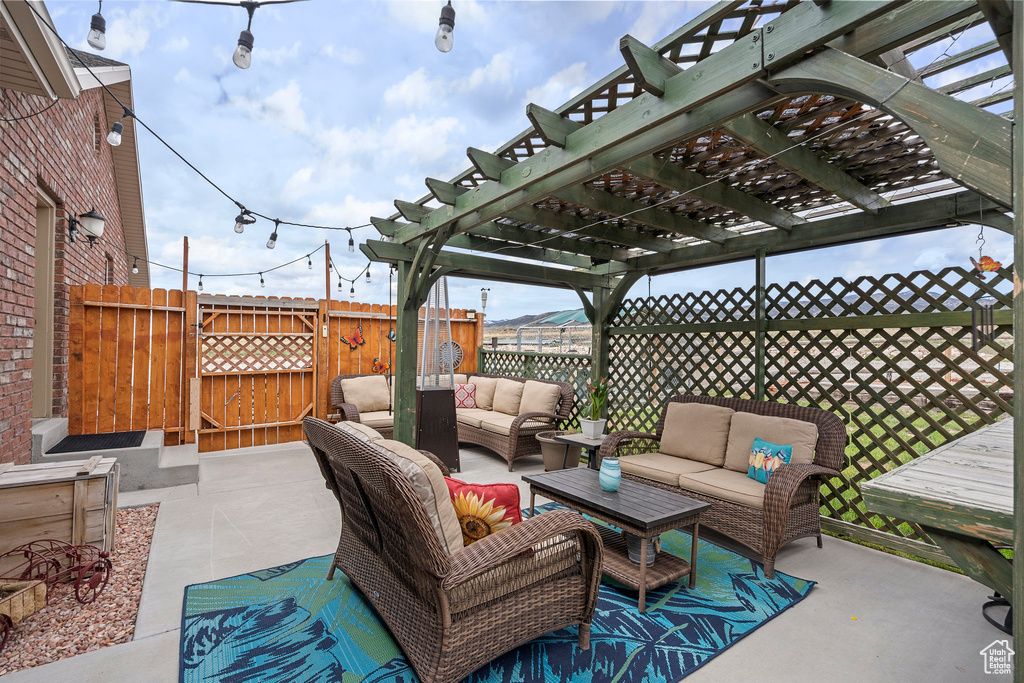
{"type": "Point", "coordinates": [363, 432]}
{"type": "Point", "coordinates": [461, 379]}
{"type": "Point", "coordinates": [430, 487]}
{"type": "Point", "coordinates": [366, 393]}
{"type": "Point", "coordinates": [485, 387]}
{"type": "Point", "coordinates": [696, 431]}
{"type": "Point", "coordinates": [783, 431]}
{"type": "Point", "coordinates": [539, 397]}
{"type": "Point", "coordinates": [508, 395]}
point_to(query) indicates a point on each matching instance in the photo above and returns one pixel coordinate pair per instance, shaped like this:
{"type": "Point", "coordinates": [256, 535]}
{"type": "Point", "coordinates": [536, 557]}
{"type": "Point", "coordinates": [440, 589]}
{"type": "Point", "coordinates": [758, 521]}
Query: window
{"type": "Point", "coordinates": [108, 278]}
{"type": "Point", "coordinates": [97, 132]}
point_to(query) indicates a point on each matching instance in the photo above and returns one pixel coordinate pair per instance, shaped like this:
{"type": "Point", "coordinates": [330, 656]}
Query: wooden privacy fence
{"type": "Point", "coordinates": [229, 372]}
{"type": "Point", "coordinates": [892, 355]}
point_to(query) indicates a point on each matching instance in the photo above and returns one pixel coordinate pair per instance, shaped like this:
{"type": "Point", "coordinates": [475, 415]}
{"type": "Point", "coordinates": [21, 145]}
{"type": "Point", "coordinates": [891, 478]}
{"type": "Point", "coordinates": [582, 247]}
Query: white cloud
{"type": "Point", "coordinates": [298, 184]}
{"type": "Point", "coordinates": [128, 33]}
{"type": "Point", "coordinates": [498, 70]}
{"type": "Point", "coordinates": [414, 91]}
{"type": "Point", "coordinates": [278, 55]}
{"type": "Point", "coordinates": [423, 14]}
{"type": "Point", "coordinates": [182, 76]}
{"type": "Point", "coordinates": [420, 140]}
{"type": "Point", "coordinates": [350, 211]}
{"type": "Point", "coordinates": [178, 44]}
{"type": "Point", "coordinates": [347, 55]}
{"type": "Point", "coordinates": [282, 108]}
{"type": "Point", "coordinates": [560, 87]}
{"type": "Point", "coordinates": [652, 24]}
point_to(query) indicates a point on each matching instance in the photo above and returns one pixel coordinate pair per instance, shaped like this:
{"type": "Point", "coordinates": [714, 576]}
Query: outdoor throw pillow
{"type": "Point", "coordinates": [465, 396]}
{"type": "Point", "coordinates": [483, 509]}
{"type": "Point", "coordinates": [765, 458]}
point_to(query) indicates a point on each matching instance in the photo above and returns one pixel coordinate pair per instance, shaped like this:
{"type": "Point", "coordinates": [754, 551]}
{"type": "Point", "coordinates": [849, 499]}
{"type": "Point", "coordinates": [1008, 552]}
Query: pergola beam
{"type": "Point", "coordinates": [697, 99]}
{"type": "Point", "coordinates": [926, 214]}
{"type": "Point", "coordinates": [773, 143]}
{"type": "Point", "coordinates": [470, 265]}
{"type": "Point", "coordinates": [578, 226]}
{"type": "Point", "coordinates": [999, 14]}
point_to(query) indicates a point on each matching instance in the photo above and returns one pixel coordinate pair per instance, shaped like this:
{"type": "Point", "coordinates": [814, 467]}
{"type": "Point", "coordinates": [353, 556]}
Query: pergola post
{"type": "Point", "coordinates": [406, 329]}
{"type": "Point", "coordinates": [1017, 191]}
{"type": "Point", "coordinates": [760, 329]}
{"type": "Point", "coordinates": [599, 349]}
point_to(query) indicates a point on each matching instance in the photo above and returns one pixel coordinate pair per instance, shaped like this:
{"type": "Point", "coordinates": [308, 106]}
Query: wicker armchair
{"type": "Point", "coordinates": [348, 411]}
{"type": "Point", "coordinates": [451, 614]}
{"type": "Point", "coordinates": [791, 497]}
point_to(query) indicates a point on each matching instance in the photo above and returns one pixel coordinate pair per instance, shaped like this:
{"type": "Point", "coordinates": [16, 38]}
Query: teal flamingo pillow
{"type": "Point", "coordinates": [765, 458]}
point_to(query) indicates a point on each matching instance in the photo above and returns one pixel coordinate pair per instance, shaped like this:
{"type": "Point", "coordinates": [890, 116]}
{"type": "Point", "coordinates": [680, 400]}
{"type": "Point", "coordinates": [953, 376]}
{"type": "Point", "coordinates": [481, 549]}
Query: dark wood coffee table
{"type": "Point", "coordinates": [637, 508]}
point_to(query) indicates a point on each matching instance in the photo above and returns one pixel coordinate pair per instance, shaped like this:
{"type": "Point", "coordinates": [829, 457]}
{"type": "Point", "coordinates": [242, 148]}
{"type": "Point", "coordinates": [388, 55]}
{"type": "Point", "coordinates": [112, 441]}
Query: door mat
{"type": "Point", "coordinates": [98, 442]}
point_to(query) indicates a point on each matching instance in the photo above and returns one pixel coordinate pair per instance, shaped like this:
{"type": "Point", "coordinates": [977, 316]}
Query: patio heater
{"type": "Point", "coordinates": [436, 428]}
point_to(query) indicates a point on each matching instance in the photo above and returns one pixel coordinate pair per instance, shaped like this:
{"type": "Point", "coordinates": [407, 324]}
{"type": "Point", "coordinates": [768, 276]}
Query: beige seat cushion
{"type": "Point", "coordinates": [539, 397]}
{"type": "Point", "coordinates": [696, 431]}
{"type": "Point", "coordinates": [660, 467]}
{"type": "Point", "coordinates": [362, 431]}
{"type": "Point", "coordinates": [783, 431]}
{"type": "Point", "coordinates": [460, 379]}
{"type": "Point", "coordinates": [367, 394]}
{"type": "Point", "coordinates": [507, 396]}
{"type": "Point", "coordinates": [377, 419]}
{"type": "Point", "coordinates": [430, 487]}
{"type": "Point", "coordinates": [499, 423]}
{"type": "Point", "coordinates": [485, 387]}
{"type": "Point", "coordinates": [472, 416]}
{"type": "Point", "coordinates": [734, 487]}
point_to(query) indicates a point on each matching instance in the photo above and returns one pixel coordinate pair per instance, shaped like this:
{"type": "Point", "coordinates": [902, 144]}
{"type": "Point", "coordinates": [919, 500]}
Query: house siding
{"type": "Point", "coordinates": [55, 153]}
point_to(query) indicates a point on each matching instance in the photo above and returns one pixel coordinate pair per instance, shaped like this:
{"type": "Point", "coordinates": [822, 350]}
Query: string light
{"type": "Point", "coordinates": [200, 283]}
{"type": "Point", "coordinates": [351, 243]}
{"type": "Point", "coordinates": [367, 274]}
{"type": "Point", "coordinates": [262, 283]}
{"type": "Point", "coordinates": [272, 242]}
{"type": "Point", "coordinates": [339, 283]}
{"type": "Point", "coordinates": [309, 263]}
{"type": "Point", "coordinates": [243, 219]}
{"type": "Point", "coordinates": [444, 39]}
{"type": "Point", "coordinates": [98, 30]}
{"type": "Point", "coordinates": [135, 266]}
{"type": "Point", "coordinates": [114, 136]}
{"type": "Point", "coordinates": [352, 291]}
{"type": "Point", "coordinates": [243, 53]}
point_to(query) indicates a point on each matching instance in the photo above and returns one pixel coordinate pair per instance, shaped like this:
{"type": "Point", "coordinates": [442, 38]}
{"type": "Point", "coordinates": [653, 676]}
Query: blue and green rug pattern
{"type": "Point", "coordinates": [289, 623]}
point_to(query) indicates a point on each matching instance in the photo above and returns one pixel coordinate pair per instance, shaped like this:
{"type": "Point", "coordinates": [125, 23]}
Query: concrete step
{"type": "Point", "coordinates": [150, 465]}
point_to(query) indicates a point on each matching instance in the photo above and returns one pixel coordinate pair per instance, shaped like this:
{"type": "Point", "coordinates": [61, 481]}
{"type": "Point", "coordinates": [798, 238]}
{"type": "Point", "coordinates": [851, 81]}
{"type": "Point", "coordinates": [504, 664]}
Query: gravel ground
{"type": "Point", "coordinates": [65, 627]}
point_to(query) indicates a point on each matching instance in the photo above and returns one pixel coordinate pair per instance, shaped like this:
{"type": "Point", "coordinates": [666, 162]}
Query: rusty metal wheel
{"type": "Point", "coordinates": [92, 580]}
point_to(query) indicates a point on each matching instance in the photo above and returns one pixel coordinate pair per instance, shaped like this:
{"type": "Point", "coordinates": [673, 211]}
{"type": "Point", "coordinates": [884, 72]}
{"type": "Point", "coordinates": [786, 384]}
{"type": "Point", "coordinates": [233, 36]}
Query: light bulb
{"type": "Point", "coordinates": [351, 243]}
{"type": "Point", "coordinates": [243, 53]}
{"type": "Point", "coordinates": [352, 291]}
{"type": "Point", "coordinates": [135, 267]}
{"type": "Point", "coordinates": [200, 283]}
{"type": "Point", "coordinates": [272, 242]}
{"type": "Point", "coordinates": [240, 223]}
{"type": "Point", "coordinates": [98, 32]}
{"type": "Point", "coordinates": [444, 39]}
{"type": "Point", "coordinates": [339, 283]}
{"type": "Point", "coordinates": [367, 274]}
{"type": "Point", "coordinates": [114, 136]}
{"type": "Point", "coordinates": [309, 262]}
{"type": "Point", "coordinates": [262, 283]}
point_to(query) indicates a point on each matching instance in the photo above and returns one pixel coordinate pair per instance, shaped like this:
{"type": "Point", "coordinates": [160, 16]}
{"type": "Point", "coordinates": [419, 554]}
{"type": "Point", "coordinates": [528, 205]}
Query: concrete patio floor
{"type": "Point", "coordinates": [872, 616]}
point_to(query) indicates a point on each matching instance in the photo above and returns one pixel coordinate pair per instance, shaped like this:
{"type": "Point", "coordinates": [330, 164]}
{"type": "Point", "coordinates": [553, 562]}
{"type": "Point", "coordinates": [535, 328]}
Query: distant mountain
{"type": "Point", "coordinates": [518, 322]}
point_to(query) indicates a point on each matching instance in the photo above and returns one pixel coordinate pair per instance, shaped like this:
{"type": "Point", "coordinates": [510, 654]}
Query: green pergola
{"type": "Point", "coordinates": [755, 129]}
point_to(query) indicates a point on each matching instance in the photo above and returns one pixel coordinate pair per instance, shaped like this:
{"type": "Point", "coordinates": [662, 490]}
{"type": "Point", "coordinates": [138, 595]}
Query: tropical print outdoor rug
{"type": "Point", "coordinates": [289, 623]}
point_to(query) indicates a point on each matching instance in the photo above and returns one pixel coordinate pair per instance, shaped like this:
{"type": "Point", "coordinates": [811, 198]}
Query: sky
{"type": "Point", "coordinates": [348, 106]}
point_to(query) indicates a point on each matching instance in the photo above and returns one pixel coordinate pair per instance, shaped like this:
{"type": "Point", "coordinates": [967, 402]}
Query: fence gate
{"type": "Point", "coordinates": [257, 370]}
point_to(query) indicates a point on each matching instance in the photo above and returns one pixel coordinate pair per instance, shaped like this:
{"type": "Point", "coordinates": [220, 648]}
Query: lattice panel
{"type": "Point", "coordinates": [571, 368]}
{"type": "Point", "coordinates": [229, 354]}
{"type": "Point", "coordinates": [648, 369]}
{"type": "Point", "coordinates": [950, 289]}
{"type": "Point", "coordinates": [735, 305]}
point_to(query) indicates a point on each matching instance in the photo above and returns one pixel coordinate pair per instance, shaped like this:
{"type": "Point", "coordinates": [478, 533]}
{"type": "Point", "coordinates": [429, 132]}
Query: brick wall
{"type": "Point", "coordinates": [55, 153]}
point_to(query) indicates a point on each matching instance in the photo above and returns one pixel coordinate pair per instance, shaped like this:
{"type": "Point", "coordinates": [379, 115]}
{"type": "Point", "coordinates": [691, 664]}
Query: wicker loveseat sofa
{"type": "Point", "coordinates": [703, 453]}
{"type": "Point", "coordinates": [505, 421]}
{"type": "Point", "coordinates": [451, 608]}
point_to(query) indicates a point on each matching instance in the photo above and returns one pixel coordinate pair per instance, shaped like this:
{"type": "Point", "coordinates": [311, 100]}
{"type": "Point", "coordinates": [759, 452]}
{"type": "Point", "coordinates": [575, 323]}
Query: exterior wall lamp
{"type": "Point", "coordinates": [91, 225]}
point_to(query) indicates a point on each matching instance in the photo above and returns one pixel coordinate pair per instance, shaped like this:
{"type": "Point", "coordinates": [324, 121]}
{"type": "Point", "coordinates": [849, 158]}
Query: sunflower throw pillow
{"type": "Point", "coordinates": [483, 509]}
{"type": "Point", "coordinates": [765, 458]}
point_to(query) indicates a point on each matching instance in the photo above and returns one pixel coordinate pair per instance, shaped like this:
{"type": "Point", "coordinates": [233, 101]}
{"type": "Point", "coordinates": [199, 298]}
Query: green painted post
{"type": "Point", "coordinates": [599, 339]}
{"type": "Point", "coordinates": [1017, 191]}
{"type": "Point", "coordinates": [760, 330]}
{"type": "Point", "coordinates": [480, 361]}
{"type": "Point", "coordinates": [407, 324]}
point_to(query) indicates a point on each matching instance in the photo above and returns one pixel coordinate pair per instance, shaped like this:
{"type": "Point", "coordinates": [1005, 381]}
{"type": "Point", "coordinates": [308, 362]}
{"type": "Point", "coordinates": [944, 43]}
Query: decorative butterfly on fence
{"type": "Point", "coordinates": [986, 265]}
{"type": "Point", "coordinates": [356, 340]}
{"type": "Point", "coordinates": [380, 367]}
{"type": "Point", "coordinates": [391, 334]}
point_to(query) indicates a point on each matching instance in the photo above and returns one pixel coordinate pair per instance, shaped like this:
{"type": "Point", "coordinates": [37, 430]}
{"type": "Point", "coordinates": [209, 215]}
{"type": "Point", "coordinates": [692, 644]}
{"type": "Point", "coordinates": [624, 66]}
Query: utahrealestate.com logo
{"type": "Point", "coordinates": [998, 657]}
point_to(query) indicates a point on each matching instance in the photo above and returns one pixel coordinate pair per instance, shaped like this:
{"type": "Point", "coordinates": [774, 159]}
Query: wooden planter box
{"type": "Point", "coordinates": [18, 599]}
{"type": "Point", "coordinates": [75, 502]}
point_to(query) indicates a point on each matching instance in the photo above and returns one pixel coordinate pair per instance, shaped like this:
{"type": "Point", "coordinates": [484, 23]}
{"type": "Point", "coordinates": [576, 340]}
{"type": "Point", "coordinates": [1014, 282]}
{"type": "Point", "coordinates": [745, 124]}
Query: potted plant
{"type": "Point", "coordinates": [557, 455]}
{"type": "Point", "coordinates": [593, 428]}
